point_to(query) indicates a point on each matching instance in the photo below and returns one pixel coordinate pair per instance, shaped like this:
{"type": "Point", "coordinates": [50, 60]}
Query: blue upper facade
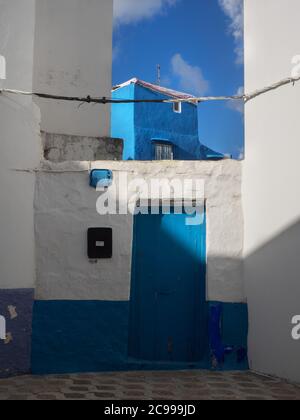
{"type": "Point", "coordinates": [149, 128]}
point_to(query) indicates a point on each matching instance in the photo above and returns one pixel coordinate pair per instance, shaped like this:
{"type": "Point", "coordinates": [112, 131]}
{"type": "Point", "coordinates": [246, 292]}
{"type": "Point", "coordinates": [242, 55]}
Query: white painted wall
{"type": "Point", "coordinates": [19, 146]}
{"type": "Point", "coordinates": [73, 57]}
{"type": "Point", "coordinates": [66, 207]}
{"type": "Point", "coordinates": [271, 196]}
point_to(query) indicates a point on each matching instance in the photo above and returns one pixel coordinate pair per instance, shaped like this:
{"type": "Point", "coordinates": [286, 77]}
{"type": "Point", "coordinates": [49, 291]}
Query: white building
{"type": "Point", "coordinates": [83, 310]}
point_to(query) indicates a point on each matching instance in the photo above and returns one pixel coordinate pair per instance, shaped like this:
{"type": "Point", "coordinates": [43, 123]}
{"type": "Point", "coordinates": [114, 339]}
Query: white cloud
{"type": "Point", "coordinates": [132, 11]}
{"type": "Point", "coordinates": [238, 106]}
{"type": "Point", "coordinates": [191, 78]}
{"type": "Point", "coordinates": [234, 9]}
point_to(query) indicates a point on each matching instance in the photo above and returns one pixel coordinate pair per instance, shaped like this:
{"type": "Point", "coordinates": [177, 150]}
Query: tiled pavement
{"type": "Point", "coordinates": [195, 385]}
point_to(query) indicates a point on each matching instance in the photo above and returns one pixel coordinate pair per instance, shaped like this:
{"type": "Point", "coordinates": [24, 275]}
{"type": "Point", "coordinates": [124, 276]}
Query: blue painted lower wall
{"type": "Point", "coordinates": [92, 336]}
{"type": "Point", "coordinates": [79, 336]}
{"type": "Point", "coordinates": [16, 307]}
{"type": "Point", "coordinates": [228, 335]}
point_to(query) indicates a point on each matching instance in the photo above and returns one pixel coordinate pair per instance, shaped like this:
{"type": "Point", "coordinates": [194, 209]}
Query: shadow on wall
{"type": "Point", "coordinates": [78, 336]}
{"type": "Point", "coordinates": [83, 336]}
{"type": "Point", "coordinates": [272, 278]}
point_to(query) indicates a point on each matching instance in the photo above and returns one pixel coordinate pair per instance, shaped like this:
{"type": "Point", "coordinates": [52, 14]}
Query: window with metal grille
{"type": "Point", "coordinates": [163, 151]}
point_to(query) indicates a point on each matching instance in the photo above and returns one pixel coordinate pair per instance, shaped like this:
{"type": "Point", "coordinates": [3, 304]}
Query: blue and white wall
{"type": "Point", "coordinates": [141, 123]}
{"type": "Point", "coordinates": [19, 150]}
{"type": "Point", "coordinates": [35, 57]}
{"type": "Point", "coordinates": [81, 313]}
{"type": "Point", "coordinates": [65, 313]}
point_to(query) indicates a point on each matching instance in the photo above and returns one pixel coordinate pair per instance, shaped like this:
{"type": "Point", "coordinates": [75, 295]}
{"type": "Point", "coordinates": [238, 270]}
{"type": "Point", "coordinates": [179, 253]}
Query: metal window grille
{"type": "Point", "coordinates": [164, 151]}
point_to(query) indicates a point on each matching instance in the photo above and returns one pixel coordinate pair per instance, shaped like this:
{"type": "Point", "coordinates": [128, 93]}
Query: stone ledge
{"type": "Point", "coordinates": [62, 147]}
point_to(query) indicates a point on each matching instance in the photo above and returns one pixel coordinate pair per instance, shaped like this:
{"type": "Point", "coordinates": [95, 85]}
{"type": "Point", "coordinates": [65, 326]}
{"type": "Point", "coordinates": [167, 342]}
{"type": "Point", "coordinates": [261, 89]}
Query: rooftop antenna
{"type": "Point", "coordinates": [158, 74]}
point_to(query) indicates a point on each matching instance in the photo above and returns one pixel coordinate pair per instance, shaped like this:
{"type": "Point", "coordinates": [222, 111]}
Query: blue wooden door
{"type": "Point", "coordinates": [168, 311]}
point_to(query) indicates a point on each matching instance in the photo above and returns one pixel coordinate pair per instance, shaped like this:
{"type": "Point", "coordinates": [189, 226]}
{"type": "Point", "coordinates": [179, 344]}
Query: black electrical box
{"type": "Point", "coordinates": [100, 243]}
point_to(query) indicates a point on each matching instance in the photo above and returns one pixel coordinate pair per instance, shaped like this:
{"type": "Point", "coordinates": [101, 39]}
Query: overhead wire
{"type": "Point", "coordinates": [246, 97]}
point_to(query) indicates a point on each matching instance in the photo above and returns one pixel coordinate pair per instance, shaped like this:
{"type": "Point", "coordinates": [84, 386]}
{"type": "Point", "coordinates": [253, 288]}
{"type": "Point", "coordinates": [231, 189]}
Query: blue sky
{"type": "Point", "coordinates": [199, 45]}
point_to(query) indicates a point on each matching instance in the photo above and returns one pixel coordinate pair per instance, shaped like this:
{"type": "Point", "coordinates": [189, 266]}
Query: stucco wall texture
{"type": "Point", "coordinates": [160, 122]}
{"type": "Point", "coordinates": [73, 57]}
{"type": "Point", "coordinates": [16, 305]}
{"type": "Point", "coordinates": [65, 207]}
{"type": "Point", "coordinates": [62, 148]}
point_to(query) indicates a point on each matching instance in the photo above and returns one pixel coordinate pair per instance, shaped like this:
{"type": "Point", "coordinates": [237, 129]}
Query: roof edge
{"type": "Point", "coordinates": [155, 88]}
